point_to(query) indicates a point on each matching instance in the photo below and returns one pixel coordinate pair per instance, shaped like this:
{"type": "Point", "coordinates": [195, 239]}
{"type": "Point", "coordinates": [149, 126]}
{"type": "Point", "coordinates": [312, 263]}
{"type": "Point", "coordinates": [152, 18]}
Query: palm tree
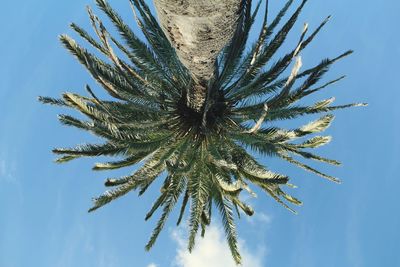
{"type": "Point", "coordinates": [197, 124]}
{"type": "Point", "coordinates": [198, 30]}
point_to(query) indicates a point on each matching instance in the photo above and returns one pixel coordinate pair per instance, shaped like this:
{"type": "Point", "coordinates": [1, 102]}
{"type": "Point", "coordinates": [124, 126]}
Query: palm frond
{"type": "Point", "coordinates": [228, 222]}
{"type": "Point", "coordinates": [171, 198]}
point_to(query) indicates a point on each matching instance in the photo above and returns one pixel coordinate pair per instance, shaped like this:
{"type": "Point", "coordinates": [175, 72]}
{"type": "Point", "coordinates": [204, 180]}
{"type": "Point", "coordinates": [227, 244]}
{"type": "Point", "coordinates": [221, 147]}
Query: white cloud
{"type": "Point", "coordinates": [7, 171]}
{"type": "Point", "coordinates": [4, 173]}
{"type": "Point", "coordinates": [79, 246]}
{"type": "Point", "coordinates": [213, 251]}
{"type": "Point", "coordinates": [3, 170]}
{"type": "Point", "coordinates": [152, 265]}
{"type": "Point", "coordinates": [354, 246]}
{"type": "Point", "coordinates": [259, 217]}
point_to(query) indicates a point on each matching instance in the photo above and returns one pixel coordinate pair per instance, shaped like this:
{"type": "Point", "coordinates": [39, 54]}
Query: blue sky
{"type": "Point", "coordinates": [43, 218]}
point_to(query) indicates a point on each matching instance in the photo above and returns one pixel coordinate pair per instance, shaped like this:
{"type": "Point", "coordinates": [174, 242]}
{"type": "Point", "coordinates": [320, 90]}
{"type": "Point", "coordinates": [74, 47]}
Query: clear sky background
{"type": "Point", "coordinates": [43, 218]}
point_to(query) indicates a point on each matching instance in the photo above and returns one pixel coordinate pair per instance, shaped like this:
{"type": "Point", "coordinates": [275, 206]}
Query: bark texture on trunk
{"type": "Point", "coordinates": [198, 30]}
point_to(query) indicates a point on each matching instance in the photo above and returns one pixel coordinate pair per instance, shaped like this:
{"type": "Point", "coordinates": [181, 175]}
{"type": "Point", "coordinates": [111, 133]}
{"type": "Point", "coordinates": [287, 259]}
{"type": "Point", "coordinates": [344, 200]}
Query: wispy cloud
{"type": "Point", "coordinates": [354, 250]}
{"type": "Point", "coordinates": [259, 217]}
{"type": "Point", "coordinates": [212, 251]}
{"type": "Point", "coordinates": [107, 260]}
{"type": "Point", "coordinates": [152, 265]}
{"type": "Point", "coordinates": [81, 246]}
{"type": "Point", "coordinates": [8, 176]}
{"type": "Point", "coordinates": [7, 171]}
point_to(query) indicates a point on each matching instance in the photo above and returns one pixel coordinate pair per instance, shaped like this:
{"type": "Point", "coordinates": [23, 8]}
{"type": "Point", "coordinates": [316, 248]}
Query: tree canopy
{"type": "Point", "coordinates": [206, 156]}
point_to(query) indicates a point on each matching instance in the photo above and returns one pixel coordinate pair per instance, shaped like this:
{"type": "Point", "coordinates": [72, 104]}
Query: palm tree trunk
{"type": "Point", "coordinates": [198, 30]}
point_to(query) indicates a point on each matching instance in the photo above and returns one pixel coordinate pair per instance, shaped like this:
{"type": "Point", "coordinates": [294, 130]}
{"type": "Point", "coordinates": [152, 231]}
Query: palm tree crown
{"type": "Point", "coordinates": [203, 152]}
